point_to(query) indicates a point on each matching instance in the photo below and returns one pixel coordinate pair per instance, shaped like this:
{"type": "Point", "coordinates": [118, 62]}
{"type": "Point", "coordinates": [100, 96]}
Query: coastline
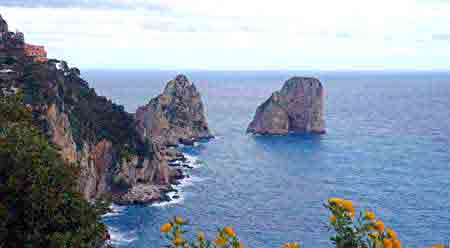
{"type": "Point", "coordinates": [169, 194]}
{"type": "Point", "coordinates": [170, 197]}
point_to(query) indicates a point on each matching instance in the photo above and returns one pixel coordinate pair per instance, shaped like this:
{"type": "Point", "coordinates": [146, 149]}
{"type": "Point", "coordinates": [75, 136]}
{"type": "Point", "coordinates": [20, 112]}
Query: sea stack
{"type": "Point", "coordinates": [296, 108]}
{"type": "Point", "coordinates": [176, 116]}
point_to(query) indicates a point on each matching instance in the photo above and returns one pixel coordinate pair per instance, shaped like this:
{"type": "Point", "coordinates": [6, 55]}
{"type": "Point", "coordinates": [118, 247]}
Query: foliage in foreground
{"type": "Point", "coordinates": [351, 231]}
{"type": "Point", "coordinates": [39, 203]}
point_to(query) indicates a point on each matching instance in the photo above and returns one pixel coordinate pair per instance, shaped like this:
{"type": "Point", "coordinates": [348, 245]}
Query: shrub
{"type": "Point", "coordinates": [39, 203]}
{"type": "Point", "coordinates": [120, 182]}
{"type": "Point", "coordinates": [363, 231]}
{"type": "Point", "coordinates": [8, 60]}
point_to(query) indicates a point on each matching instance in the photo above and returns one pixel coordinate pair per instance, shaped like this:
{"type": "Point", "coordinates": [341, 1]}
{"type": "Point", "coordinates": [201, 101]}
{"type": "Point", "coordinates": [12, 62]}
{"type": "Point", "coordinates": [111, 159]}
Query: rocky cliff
{"type": "Point", "coordinates": [176, 116]}
{"type": "Point", "coordinates": [118, 154]}
{"type": "Point", "coordinates": [91, 132]}
{"type": "Point", "coordinates": [297, 108]}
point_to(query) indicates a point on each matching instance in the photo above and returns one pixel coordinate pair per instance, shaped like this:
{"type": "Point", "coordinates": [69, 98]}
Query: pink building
{"type": "Point", "coordinates": [38, 53]}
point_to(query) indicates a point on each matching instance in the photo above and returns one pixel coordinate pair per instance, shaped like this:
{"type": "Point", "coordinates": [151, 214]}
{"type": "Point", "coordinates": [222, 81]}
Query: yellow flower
{"type": "Point", "coordinates": [179, 220]}
{"type": "Point", "coordinates": [348, 205]}
{"type": "Point", "coordinates": [369, 215]}
{"type": "Point", "coordinates": [240, 245]}
{"type": "Point", "coordinates": [373, 236]}
{"type": "Point", "coordinates": [220, 241]}
{"type": "Point", "coordinates": [379, 226]}
{"type": "Point", "coordinates": [352, 213]}
{"type": "Point", "coordinates": [178, 241]}
{"type": "Point", "coordinates": [294, 245]}
{"type": "Point", "coordinates": [166, 228]}
{"type": "Point", "coordinates": [387, 243]}
{"type": "Point", "coordinates": [335, 201]}
{"type": "Point", "coordinates": [333, 219]}
{"type": "Point", "coordinates": [396, 244]}
{"type": "Point", "coordinates": [438, 246]}
{"type": "Point", "coordinates": [391, 233]}
{"type": "Point", "coordinates": [229, 231]}
{"type": "Point", "coordinates": [201, 236]}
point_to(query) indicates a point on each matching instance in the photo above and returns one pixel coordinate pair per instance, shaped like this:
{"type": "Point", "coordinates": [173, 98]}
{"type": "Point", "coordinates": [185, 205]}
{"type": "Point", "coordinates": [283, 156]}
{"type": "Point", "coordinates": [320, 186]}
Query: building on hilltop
{"type": "Point", "coordinates": [13, 44]}
{"type": "Point", "coordinates": [38, 53]}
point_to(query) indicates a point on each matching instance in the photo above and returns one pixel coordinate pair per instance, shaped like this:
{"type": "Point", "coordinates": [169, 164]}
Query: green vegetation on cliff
{"type": "Point", "coordinates": [92, 117]}
{"type": "Point", "coordinates": [39, 203]}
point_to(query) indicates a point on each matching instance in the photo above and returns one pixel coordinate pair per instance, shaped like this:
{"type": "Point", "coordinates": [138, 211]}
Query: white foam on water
{"type": "Point", "coordinates": [183, 183]}
{"type": "Point", "coordinates": [178, 162]}
{"type": "Point", "coordinates": [193, 161]}
{"type": "Point", "coordinates": [117, 237]}
{"type": "Point", "coordinates": [173, 201]}
{"type": "Point", "coordinates": [116, 210]}
{"type": "Point", "coordinates": [188, 181]}
{"type": "Point", "coordinates": [120, 238]}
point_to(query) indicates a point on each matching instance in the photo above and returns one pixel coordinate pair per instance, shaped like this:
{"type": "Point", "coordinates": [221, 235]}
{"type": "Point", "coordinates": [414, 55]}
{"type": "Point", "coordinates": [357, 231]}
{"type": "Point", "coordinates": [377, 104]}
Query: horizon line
{"type": "Point", "coordinates": [266, 70]}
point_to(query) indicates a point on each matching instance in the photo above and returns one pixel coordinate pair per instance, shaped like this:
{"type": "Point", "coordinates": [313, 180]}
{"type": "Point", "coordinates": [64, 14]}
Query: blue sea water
{"type": "Point", "coordinates": [387, 147]}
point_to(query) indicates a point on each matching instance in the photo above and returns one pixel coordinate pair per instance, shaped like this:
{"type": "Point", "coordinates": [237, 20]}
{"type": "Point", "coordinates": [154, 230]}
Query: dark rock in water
{"type": "Point", "coordinates": [176, 116]}
{"type": "Point", "coordinates": [177, 175]}
{"type": "Point", "coordinates": [187, 142]}
{"type": "Point", "coordinates": [297, 108]}
{"type": "Point", "coordinates": [143, 194]}
{"type": "Point", "coordinates": [172, 155]}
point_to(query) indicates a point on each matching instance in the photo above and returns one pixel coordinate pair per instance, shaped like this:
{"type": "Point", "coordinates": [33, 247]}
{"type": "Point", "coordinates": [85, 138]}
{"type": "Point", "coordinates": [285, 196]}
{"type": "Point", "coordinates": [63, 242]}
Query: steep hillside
{"type": "Point", "coordinates": [90, 131]}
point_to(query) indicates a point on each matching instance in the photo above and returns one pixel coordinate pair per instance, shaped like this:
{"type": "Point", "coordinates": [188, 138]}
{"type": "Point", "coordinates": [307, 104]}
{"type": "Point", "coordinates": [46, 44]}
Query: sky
{"type": "Point", "coordinates": [238, 34]}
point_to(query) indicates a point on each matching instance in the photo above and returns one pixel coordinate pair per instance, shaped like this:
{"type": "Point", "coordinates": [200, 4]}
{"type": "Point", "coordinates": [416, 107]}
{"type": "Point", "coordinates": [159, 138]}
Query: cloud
{"type": "Point", "coordinates": [88, 4]}
{"type": "Point", "coordinates": [219, 34]}
{"type": "Point", "coordinates": [169, 26]}
{"type": "Point", "coordinates": [344, 35]}
{"type": "Point", "coordinates": [441, 37]}
{"type": "Point", "coordinates": [434, 1]}
{"type": "Point", "coordinates": [197, 24]}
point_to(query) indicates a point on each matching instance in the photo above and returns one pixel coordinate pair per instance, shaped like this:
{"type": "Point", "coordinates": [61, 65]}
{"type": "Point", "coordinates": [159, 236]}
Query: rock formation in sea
{"type": "Point", "coordinates": [176, 116]}
{"type": "Point", "coordinates": [296, 108]}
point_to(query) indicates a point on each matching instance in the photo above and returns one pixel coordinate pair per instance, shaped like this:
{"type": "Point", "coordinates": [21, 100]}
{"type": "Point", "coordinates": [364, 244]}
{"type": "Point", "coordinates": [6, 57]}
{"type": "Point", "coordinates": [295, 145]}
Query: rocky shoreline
{"type": "Point", "coordinates": [174, 118]}
{"type": "Point", "coordinates": [145, 194]}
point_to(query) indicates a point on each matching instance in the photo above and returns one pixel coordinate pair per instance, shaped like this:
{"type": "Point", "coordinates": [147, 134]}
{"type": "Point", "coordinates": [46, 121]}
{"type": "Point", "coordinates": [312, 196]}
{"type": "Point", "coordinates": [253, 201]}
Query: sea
{"type": "Point", "coordinates": [387, 148]}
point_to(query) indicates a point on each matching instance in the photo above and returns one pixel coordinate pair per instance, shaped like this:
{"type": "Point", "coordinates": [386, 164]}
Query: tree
{"type": "Point", "coordinates": [39, 203]}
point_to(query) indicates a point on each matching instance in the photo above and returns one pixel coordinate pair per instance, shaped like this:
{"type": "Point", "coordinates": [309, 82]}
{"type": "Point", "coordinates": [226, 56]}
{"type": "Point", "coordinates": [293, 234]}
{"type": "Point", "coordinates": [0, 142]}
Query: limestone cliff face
{"type": "Point", "coordinates": [93, 133]}
{"type": "Point", "coordinates": [60, 133]}
{"type": "Point", "coordinates": [146, 180]}
{"type": "Point", "coordinates": [93, 160]}
{"type": "Point", "coordinates": [176, 116]}
{"type": "Point", "coordinates": [297, 108]}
